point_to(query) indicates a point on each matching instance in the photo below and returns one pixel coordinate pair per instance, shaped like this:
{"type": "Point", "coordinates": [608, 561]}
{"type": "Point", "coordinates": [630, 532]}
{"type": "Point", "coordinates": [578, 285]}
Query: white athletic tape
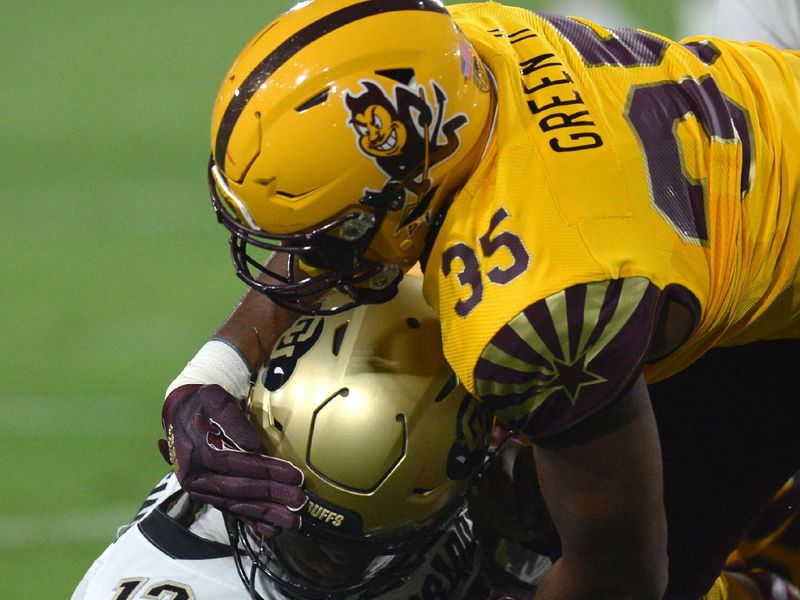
{"type": "Point", "coordinates": [216, 362]}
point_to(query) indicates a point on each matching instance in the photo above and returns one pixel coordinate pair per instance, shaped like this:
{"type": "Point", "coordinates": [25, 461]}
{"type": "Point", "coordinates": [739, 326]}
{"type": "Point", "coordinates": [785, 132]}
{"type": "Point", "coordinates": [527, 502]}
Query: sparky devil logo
{"type": "Point", "coordinates": [406, 137]}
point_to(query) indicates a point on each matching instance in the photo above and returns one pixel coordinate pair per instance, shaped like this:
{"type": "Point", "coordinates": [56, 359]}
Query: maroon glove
{"type": "Point", "coordinates": [218, 458]}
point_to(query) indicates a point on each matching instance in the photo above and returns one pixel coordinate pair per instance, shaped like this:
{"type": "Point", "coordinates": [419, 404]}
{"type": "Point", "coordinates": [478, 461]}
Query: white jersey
{"type": "Point", "coordinates": [776, 22]}
{"type": "Point", "coordinates": [138, 565]}
{"type": "Point", "coordinates": [158, 557]}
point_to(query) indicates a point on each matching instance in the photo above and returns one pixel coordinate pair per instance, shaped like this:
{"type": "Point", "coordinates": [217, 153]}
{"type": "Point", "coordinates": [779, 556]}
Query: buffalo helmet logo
{"type": "Point", "coordinates": [291, 347]}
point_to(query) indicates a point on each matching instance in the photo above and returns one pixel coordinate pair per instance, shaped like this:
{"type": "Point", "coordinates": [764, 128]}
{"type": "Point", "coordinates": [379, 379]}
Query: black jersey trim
{"type": "Point", "coordinates": [563, 358]}
{"type": "Point", "coordinates": [176, 541]}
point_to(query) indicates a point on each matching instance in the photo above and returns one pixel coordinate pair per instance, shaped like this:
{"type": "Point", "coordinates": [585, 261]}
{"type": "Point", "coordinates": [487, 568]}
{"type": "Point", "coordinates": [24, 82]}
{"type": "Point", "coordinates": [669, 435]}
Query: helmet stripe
{"type": "Point", "coordinates": [297, 42]}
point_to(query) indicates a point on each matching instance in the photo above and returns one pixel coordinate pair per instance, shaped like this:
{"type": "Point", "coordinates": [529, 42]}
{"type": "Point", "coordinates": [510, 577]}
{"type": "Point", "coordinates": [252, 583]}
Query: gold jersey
{"type": "Point", "coordinates": [625, 169]}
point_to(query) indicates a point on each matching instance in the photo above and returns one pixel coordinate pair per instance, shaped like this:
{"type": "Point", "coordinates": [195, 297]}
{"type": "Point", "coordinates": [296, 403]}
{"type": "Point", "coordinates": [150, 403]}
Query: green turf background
{"type": "Point", "coordinates": [113, 269]}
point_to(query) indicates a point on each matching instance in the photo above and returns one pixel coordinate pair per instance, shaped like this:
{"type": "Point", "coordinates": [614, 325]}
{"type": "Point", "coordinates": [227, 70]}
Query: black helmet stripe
{"type": "Point", "coordinates": [297, 42]}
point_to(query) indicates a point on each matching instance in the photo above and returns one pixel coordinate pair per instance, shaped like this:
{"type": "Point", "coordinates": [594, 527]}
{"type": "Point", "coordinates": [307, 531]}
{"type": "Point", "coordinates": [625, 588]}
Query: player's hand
{"type": "Point", "coordinates": [506, 500]}
{"type": "Point", "coordinates": [218, 458]}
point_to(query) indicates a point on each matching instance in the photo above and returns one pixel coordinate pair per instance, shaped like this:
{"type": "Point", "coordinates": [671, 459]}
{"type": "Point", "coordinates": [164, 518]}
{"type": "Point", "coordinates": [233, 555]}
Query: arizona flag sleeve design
{"type": "Point", "coordinates": [566, 356]}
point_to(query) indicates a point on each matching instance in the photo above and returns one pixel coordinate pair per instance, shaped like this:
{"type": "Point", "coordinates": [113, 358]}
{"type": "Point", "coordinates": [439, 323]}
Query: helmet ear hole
{"type": "Point", "coordinates": [413, 323]}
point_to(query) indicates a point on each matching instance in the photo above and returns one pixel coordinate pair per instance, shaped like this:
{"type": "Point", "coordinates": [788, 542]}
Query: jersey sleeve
{"type": "Point", "coordinates": [564, 357]}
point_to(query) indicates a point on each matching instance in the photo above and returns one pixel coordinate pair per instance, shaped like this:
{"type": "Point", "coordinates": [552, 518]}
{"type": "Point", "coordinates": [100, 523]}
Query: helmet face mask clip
{"type": "Point", "coordinates": [323, 259]}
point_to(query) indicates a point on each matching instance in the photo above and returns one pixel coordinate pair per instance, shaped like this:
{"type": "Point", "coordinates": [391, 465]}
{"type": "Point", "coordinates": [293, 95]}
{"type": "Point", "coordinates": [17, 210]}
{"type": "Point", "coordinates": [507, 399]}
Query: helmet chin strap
{"type": "Point", "coordinates": [389, 198]}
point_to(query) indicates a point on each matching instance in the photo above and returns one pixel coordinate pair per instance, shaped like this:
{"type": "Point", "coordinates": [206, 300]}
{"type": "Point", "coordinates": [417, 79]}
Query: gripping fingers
{"type": "Point", "coordinates": [255, 466]}
{"type": "Point", "coordinates": [242, 488]}
{"type": "Point", "coordinates": [265, 529]}
{"type": "Point", "coordinates": [273, 515]}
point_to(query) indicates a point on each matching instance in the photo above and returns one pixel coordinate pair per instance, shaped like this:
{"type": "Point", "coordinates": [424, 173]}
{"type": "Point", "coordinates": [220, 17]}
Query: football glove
{"type": "Point", "coordinates": [218, 458]}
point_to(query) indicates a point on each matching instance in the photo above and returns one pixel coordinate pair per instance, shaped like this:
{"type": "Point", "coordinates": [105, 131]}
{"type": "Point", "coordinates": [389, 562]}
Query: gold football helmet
{"type": "Point", "coordinates": [366, 406]}
{"type": "Point", "coordinates": [337, 137]}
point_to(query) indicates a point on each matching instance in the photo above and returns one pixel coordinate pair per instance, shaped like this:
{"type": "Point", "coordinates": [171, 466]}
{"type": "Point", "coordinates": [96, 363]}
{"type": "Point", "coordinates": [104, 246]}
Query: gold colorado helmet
{"type": "Point", "coordinates": [337, 137]}
{"type": "Point", "coordinates": [366, 406]}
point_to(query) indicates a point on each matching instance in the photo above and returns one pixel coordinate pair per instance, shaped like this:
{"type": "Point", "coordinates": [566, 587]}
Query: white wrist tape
{"type": "Point", "coordinates": [216, 362]}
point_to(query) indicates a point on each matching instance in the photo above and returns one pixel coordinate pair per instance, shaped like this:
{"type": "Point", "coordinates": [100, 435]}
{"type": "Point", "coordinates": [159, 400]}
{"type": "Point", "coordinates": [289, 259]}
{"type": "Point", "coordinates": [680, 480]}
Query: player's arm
{"type": "Point", "coordinates": [210, 444]}
{"type": "Point", "coordinates": [567, 371]}
{"type": "Point", "coordinates": [256, 323]}
{"type": "Point", "coordinates": [602, 482]}
{"type": "Point", "coordinates": [254, 326]}
{"type": "Point", "coordinates": [595, 490]}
